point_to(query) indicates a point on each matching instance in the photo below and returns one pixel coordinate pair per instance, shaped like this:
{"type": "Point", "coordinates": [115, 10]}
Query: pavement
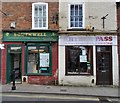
{"type": "Point", "coordinates": [99, 91]}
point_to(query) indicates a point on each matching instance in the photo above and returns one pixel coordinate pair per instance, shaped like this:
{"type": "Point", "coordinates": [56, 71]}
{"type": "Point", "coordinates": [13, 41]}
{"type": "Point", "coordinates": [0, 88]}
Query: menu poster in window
{"type": "Point", "coordinates": [44, 59]}
{"type": "Point", "coordinates": [83, 58]}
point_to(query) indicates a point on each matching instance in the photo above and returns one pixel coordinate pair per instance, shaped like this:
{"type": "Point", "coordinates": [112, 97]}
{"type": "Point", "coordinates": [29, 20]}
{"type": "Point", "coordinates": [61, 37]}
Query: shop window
{"type": "Point", "coordinates": [40, 16]}
{"type": "Point", "coordinates": [76, 16]}
{"type": "Point", "coordinates": [39, 60]}
{"type": "Point", "coordinates": [79, 60]}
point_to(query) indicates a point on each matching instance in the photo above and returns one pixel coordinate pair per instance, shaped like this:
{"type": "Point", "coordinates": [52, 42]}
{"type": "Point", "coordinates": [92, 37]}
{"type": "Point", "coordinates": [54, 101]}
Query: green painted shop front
{"type": "Point", "coordinates": [32, 55]}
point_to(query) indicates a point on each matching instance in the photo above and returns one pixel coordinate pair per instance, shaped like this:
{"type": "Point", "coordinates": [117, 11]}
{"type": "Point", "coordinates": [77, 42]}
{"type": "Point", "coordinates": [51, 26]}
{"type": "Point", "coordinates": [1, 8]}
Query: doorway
{"type": "Point", "coordinates": [104, 65]}
{"type": "Point", "coordinates": [14, 63]}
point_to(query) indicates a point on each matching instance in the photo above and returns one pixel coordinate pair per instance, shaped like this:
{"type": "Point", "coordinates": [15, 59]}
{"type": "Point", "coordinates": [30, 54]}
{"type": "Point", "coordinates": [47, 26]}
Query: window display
{"type": "Point", "coordinates": [79, 59]}
{"type": "Point", "coordinates": [38, 59]}
{"type": "Point", "coordinates": [32, 59]}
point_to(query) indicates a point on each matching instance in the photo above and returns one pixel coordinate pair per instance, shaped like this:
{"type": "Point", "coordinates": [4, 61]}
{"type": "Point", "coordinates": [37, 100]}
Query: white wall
{"type": "Point", "coordinates": [93, 13]}
{"type": "Point", "coordinates": [72, 80]}
{"type": "Point", "coordinates": [115, 65]}
{"type": "Point", "coordinates": [86, 80]}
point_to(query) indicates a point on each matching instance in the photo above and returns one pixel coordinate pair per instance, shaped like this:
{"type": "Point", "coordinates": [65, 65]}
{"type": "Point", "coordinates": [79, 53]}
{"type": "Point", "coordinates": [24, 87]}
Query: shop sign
{"type": "Point", "coordinates": [30, 36]}
{"type": "Point", "coordinates": [88, 40]}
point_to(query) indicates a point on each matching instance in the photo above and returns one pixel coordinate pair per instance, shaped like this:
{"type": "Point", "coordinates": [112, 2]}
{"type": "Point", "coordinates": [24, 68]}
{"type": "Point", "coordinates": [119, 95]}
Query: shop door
{"type": "Point", "coordinates": [104, 65]}
{"type": "Point", "coordinates": [14, 63]}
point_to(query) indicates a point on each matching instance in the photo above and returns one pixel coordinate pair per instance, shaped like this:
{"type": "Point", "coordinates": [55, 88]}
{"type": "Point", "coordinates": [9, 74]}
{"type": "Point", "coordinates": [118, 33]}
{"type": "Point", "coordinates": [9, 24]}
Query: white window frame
{"type": "Point", "coordinates": [83, 8]}
{"type": "Point", "coordinates": [33, 13]}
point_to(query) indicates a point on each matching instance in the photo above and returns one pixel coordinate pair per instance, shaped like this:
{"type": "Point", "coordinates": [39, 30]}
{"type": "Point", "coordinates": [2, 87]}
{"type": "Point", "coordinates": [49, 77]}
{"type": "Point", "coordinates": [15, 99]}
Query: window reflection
{"type": "Point", "coordinates": [79, 59]}
{"type": "Point", "coordinates": [32, 59]}
{"type": "Point", "coordinates": [38, 59]}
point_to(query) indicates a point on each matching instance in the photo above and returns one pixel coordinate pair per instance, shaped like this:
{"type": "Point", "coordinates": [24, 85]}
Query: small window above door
{"type": "Point", "coordinates": [15, 49]}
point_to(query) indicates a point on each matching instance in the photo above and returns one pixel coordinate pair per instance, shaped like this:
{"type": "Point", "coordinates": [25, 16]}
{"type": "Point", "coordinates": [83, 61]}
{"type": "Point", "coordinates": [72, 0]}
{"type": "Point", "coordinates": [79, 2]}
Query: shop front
{"type": "Point", "coordinates": [32, 54]}
{"type": "Point", "coordinates": [88, 59]}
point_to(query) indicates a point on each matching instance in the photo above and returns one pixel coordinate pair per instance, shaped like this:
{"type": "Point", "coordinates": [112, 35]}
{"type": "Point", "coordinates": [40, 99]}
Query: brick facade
{"type": "Point", "coordinates": [21, 13]}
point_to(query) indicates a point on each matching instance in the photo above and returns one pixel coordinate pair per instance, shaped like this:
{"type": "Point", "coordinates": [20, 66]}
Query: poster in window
{"type": "Point", "coordinates": [83, 58]}
{"type": "Point", "coordinates": [44, 59]}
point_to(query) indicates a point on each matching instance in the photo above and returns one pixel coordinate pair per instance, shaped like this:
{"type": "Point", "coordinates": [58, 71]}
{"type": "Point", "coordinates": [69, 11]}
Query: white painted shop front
{"type": "Point", "coordinates": [88, 60]}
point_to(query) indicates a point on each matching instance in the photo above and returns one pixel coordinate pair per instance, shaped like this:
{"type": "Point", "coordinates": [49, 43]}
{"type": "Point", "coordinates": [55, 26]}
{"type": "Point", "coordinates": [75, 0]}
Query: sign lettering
{"type": "Point", "coordinates": [88, 40]}
{"type": "Point", "coordinates": [30, 36]}
{"type": "Point", "coordinates": [106, 38]}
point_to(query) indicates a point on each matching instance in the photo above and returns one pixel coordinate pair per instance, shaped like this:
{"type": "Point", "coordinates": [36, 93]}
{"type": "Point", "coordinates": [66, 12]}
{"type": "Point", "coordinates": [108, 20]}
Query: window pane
{"type": "Point", "coordinates": [80, 18]}
{"type": "Point", "coordinates": [38, 59]}
{"type": "Point", "coordinates": [36, 21]}
{"type": "Point", "coordinates": [44, 8]}
{"type": "Point", "coordinates": [72, 24]}
{"type": "Point", "coordinates": [32, 59]}
{"type": "Point", "coordinates": [80, 12]}
{"type": "Point", "coordinates": [36, 11]}
{"type": "Point", "coordinates": [40, 8]}
{"type": "Point", "coordinates": [44, 14]}
{"type": "Point", "coordinates": [40, 22]}
{"type": "Point", "coordinates": [76, 9]}
{"type": "Point", "coordinates": [44, 49]}
{"type": "Point", "coordinates": [76, 16]}
{"type": "Point", "coordinates": [78, 59]}
{"type": "Point", "coordinates": [44, 24]}
{"type": "Point", "coordinates": [80, 24]}
{"type": "Point", "coordinates": [40, 13]}
{"type": "Point", "coordinates": [76, 13]}
{"type": "Point", "coordinates": [44, 19]}
{"type": "Point", "coordinates": [72, 7]}
{"type": "Point", "coordinates": [72, 18]}
{"type": "Point", "coordinates": [76, 24]}
{"type": "Point", "coordinates": [72, 13]}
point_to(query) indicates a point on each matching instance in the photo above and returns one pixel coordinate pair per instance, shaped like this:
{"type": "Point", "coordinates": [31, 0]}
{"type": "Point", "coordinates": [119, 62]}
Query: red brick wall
{"type": "Point", "coordinates": [48, 79]}
{"type": "Point", "coordinates": [3, 66]}
{"type": "Point", "coordinates": [21, 12]}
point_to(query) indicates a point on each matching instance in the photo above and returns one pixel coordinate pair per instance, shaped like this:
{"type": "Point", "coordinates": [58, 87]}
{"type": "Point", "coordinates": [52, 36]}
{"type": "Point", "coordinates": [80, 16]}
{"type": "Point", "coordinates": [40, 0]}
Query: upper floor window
{"type": "Point", "coordinates": [76, 17]}
{"type": "Point", "coordinates": [40, 16]}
